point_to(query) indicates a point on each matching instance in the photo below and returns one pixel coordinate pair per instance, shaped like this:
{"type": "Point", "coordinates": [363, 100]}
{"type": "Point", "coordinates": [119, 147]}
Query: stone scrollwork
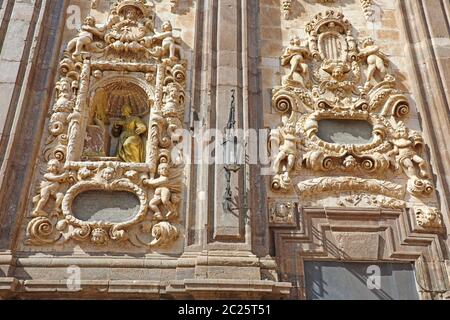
{"type": "Point", "coordinates": [115, 127]}
{"type": "Point", "coordinates": [339, 81]}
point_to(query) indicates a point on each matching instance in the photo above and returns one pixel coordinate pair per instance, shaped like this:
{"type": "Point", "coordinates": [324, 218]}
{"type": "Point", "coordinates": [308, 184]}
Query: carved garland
{"type": "Point", "coordinates": [94, 61]}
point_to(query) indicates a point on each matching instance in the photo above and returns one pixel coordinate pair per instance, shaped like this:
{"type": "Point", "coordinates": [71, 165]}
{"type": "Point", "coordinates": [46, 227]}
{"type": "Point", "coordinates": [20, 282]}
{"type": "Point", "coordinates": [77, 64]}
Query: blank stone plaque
{"type": "Point", "coordinates": [105, 206]}
{"type": "Point", "coordinates": [345, 131]}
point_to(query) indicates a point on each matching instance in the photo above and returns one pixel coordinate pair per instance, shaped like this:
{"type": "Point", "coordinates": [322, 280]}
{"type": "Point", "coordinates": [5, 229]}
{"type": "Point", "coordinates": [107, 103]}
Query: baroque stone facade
{"type": "Point", "coordinates": [209, 149]}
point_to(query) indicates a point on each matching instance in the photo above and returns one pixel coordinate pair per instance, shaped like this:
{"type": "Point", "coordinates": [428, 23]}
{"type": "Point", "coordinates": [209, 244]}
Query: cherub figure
{"type": "Point", "coordinates": [85, 37]}
{"type": "Point", "coordinates": [376, 60]}
{"type": "Point", "coordinates": [170, 44]}
{"type": "Point", "coordinates": [287, 154]}
{"type": "Point", "coordinates": [51, 187]}
{"type": "Point", "coordinates": [295, 55]}
{"type": "Point", "coordinates": [405, 153]}
{"type": "Point", "coordinates": [163, 194]}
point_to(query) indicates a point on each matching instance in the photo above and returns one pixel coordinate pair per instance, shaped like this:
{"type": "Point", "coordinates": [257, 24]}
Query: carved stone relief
{"type": "Point", "coordinates": [367, 8]}
{"type": "Point", "coordinates": [428, 217]}
{"type": "Point", "coordinates": [174, 5]}
{"type": "Point", "coordinates": [283, 213]}
{"type": "Point", "coordinates": [286, 7]}
{"type": "Point", "coordinates": [333, 77]}
{"type": "Point", "coordinates": [119, 106]}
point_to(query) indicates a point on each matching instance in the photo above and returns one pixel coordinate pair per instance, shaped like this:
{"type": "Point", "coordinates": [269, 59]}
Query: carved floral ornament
{"type": "Point", "coordinates": [335, 77]}
{"type": "Point", "coordinates": [119, 104]}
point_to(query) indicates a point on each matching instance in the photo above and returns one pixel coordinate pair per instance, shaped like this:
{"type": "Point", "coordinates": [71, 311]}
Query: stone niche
{"type": "Point", "coordinates": [108, 206]}
{"type": "Point", "coordinates": [345, 131]}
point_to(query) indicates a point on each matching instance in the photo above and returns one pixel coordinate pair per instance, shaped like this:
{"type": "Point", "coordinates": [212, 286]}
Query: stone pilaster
{"type": "Point", "coordinates": [31, 42]}
{"type": "Point", "coordinates": [425, 28]}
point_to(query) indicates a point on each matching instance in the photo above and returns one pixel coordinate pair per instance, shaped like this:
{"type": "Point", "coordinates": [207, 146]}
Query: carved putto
{"type": "Point", "coordinates": [85, 39]}
{"type": "Point", "coordinates": [128, 35]}
{"type": "Point", "coordinates": [116, 119]}
{"type": "Point", "coordinates": [295, 57]}
{"type": "Point", "coordinates": [342, 115]}
{"type": "Point", "coordinates": [376, 61]}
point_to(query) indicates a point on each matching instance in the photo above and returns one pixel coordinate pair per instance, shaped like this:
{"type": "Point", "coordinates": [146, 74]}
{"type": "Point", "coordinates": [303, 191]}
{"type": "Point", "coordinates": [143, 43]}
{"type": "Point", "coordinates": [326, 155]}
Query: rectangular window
{"type": "Point", "coordinates": [360, 281]}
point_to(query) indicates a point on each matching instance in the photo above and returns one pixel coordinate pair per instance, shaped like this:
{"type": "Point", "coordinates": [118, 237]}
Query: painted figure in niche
{"type": "Point", "coordinates": [376, 60]}
{"type": "Point", "coordinates": [295, 56]}
{"type": "Point", "coordinates": [97, 139]}
{"type": "Point", "coordinates": [129, 130]}
{"type": "Point", "coordinates": [163, 195]}
{"type": "Point", "coordinates": [405, 153]}
{"type": "Point", "coordinates": [85, 37]}
{"type": "Point", "coordinates": [287, 154]}
{"type": "Point", "coordinates": [100, 105]}
{"type": "Point", "coordinates": [51, 187]}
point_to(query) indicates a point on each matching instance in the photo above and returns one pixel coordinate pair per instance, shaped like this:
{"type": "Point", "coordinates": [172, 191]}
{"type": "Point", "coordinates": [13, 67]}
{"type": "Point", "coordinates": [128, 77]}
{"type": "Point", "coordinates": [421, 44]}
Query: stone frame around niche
{"type": "Point", "coordinates": [114, 55]}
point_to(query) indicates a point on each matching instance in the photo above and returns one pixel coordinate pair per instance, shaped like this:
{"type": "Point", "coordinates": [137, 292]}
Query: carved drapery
{"type": "Point", "coordinates": [124, 62]}
{"type": "Point", "coordinates": [332, 76]}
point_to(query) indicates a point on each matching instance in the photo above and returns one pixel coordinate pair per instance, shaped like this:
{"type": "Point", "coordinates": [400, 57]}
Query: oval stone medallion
{"type": "Point", "coordinates": [115, 206]}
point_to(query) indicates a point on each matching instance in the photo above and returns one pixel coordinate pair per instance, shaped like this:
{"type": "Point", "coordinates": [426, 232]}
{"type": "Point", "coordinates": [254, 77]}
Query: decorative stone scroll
{"type": "Point", "coordinates": [114, 127]}
{"type": "Point", "coordinates": [334, 78]}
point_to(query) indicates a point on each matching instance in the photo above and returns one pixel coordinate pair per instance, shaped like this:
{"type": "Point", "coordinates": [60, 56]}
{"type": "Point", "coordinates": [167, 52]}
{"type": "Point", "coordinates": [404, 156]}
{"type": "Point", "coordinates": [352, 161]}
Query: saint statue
{"type": "Point", "coordinates": [129, 130]}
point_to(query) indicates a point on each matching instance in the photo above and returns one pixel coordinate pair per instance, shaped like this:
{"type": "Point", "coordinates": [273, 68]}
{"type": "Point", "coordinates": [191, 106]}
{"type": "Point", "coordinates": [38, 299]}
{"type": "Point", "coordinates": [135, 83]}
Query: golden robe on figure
{"type": "Point", "coordinates": [131, 145]}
